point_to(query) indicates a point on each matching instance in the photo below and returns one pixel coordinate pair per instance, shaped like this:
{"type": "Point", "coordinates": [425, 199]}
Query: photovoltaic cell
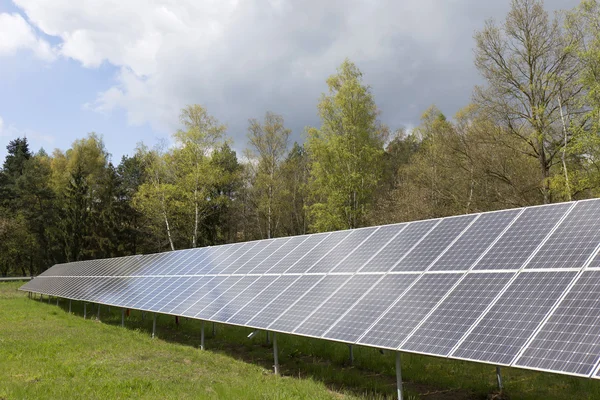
{"type": "Point", "coordinates": [244, 297]}
{"type": "Point", "coordinates": [247, 256]}
{"type": "Point", "coordinates": [397, 248]}
{"type": "Point", "coordinates": [251, 264]}
{"type": "Point", "coordinates": [368, 248]}
{"type": "Point", "coordinates": [474, 241]}
{"type": "Point", "coordinates": [174, 291]}
{"type": "Point", "coordinates": [277, 306]}
{"type": "Point", "coordinates": [434, 244]}
{"type": "Point", "coordinates": [305, 263]}
{"type": "Point", "coordinates": [342, 250]}
{"type": "Point", "coordinates": [287, 245]}
{"type": "Point", "coordinates": [394, 326]}
{"type": "Point", "coordinates": [456, 314]}
{"type": "Point", "coordinates": [210, 295]}
{"type": "Point", "coordinates": [569, 341]}
{"type": "Point", "coordinates": [573, 241]}
{"type": "Point", "coordinates": [523, 237]}
{"type": "Point", "coordinates": [225, 297]}
{"type": "Point", "coordinates": [289, 259]}
{"type": "Point", "coordinates": [340, 302]}
{"type": "Point", "coordinates": [194, 294]}
{"type": "Point", "coordinates": [236, 252]}
{"type": "Point", "coordinates": [307, 303]}
{"type": "Point", "coordinates": [183, 293]}
{"type": "Point", "coordinates": [511, 321]}
{"type": "Point", "coordinates": [252, 308]}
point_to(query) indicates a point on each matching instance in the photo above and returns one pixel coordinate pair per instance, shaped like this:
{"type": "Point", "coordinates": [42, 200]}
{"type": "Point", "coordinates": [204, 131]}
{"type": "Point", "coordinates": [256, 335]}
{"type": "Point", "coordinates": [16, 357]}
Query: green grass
{"type": "Point", "coordinates": [47, 353]}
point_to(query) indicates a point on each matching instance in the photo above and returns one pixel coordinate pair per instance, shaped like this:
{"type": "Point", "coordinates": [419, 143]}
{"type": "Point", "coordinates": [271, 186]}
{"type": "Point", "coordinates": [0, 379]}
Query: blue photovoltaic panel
{"type": "Point", "coordinates": [210, 295]}
{"type": "Point", "coordinates": [523, 237]}
{"type": "Point", "coordinates": [181, 294]}
{"type": "Point", "coordinates": [196, 262]}
{"type": "Point", "coordinates": [342, 250]}
{"type": "Point", "coordinates": [434, 244]}
{"type": "Point", "coordinates": [299, 251]}
{"type": "Point", "coordinates": [474, 241]}
{"type": "Point", "coordinates": [174, 291]}
{"type": "Point", "coordinates": [201, 289]}
{"type": "Point", "coordinates": [307, 303]}
{"type": "Point", "coordinates": [225, 297]}
{"type": "Point", "coordinates": [569, 341]}
{"type": "Point", "coordinates": [339, 303]}
{"type": "Point", "coordinates": [285, 248]}
{"type": "Point", "coordinates": [243, 298]}
{"type": "Point", "coordinates": [250, 310]}
{"type": "Point", "coordinates": [279, 304]}
{"type": "Point", "coordinates": [573, 242]}
{"type": "Point", "coordinates": [153, 264]}
{"type": "Point", "coordinates": [167, 287]}
{"type": "Point", "coordinates": [399, 246]}
{"type": "Point", "coordinates": [154, 289]}
{"type": "Point", "coordinates": [454, 316]}
{"type": "Point", "coordinates": [395, 325]}
{"type": "Point", "coordinates": [252, 263]}
{"type": "Point", "coordinates": [515, 316]}
{"type": "Point", "coordinates": [305, 263]}
{"type": "Point", "coordinates": [181, 265]}
{"type": "Point", "coordinates": [233, 267]}
{"type": "Point", "coordinates": [368, 248]}
{"type": "Point", "coordinates": [235, 253]}
{"type": "Point", "coordinates": [216, 257]}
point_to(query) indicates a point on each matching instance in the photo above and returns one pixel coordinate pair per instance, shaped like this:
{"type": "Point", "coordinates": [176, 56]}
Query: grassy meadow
{"type": "Point", "coordinates": [47, 353]}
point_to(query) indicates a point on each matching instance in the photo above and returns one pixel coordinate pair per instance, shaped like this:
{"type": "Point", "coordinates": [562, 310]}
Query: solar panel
{"type": "Point", "coordinates": [342, 250]}
{"type": "Point", "coordinates": [255, 305]}
{"type": "Point", "coordinates": [505, 328]}
{"type": "Point", "coordinates": [305, 263]}
{"type": "Point", "coordinates": [523, 237]}
{"type": "Point", "coordinates": [473, 243]}
{"type": "Point", "coordinates": [419, 258]}
{"type": "Point", "coordinates": [247, 256]}
{"type": "Point", "coordinates": [307, 303]}
{"type": "Point", "coordinates": [210, 295]}
{"type": "Point", "coordinates": [225, 297]}
{"type": "Point", "coordinates": [573, 241]}
{"type": "Point", "coordinates": [290, 258]}
{"type": "Point", "coordinates": [510, 287]}
{"type": "Point", "coordinates": [569, 341]}
{"type": "Point", "coordinates": [395, 324]}
{"type": "Point", "coordinates": [442, 330]}
{"type": "Point", "coordinates": [280, 303]}
{"type": "Point", "coordinates": [329, 311]}
{"type": "Point", "coordinates": [394, 250]}
{"type": "Point", "coordinates": [361, 255]}
{"type": "Point", "coordinates": [229, 309]}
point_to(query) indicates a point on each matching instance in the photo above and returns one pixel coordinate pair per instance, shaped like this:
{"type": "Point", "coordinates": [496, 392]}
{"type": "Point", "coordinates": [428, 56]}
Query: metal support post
{"type": "Point", "coordinates": [98, 316]}
{"type": "Point", "coordinates": [202, 336]}
{"type": "Point", "coordinates": [351, 354]}
{"type": "Point", "coordinates": [214, 330]}
{"type": "Point", "coordinates": [57, 300]}
{"type": "Point", "coordinates": [48, 299]}
{"type": "Point", "coordinates": [122, 317]}
{"type": "Point", "coordinates": [499, 378]}
{"type": "Point", "coordinates": [143, 315]}
{"type": "Point", "coordinates": [398, 376]}
{"type": "Point", "coordinates": [268, 338]}
{"type": "Point", "coordinates": [154, 326]}
{"type": "Point", "coordinates": [275, 354]}
{"type": "Point", "coordinates": [69, 306]}
{"type": "Point", "coordinates": [84, 309]}
{"type": "Point", "coordinates": [29, 294]}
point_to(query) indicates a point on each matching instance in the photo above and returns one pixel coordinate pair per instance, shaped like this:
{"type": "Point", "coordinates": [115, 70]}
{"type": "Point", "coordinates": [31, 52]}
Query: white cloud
{"type": "Point", "coordinates": [16, 34]}
{"type": "Point", "coordinates": [241, 58]}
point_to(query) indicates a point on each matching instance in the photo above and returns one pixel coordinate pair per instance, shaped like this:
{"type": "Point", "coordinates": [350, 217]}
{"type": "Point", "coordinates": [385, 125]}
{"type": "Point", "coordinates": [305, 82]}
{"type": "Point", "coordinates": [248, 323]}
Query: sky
{"type": "Point", "coordinates": [124, 69]}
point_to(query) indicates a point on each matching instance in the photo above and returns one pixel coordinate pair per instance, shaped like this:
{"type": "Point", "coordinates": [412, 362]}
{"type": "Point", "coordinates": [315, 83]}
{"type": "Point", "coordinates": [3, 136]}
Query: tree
{"type": "Point", "coordinates": [294, 176]}
{"type": "Point", "coordinates": [345, 154]}
{"type": "Point", "coordinates": [269, 143]}
{"type": "Point", "coordinates": [531, 71]}
{"type": "Point", "coordinates": [12, 169]}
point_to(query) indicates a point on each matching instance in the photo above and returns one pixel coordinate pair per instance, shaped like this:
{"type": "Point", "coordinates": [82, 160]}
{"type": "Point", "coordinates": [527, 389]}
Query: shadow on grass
{"type": "Point", "coordinates": [371, 375]}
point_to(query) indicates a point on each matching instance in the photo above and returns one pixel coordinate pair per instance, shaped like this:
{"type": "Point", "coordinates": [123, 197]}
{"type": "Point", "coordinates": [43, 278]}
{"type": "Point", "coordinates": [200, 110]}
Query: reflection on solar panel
{"type": "Point", "coordinates": [442, 330]}
{"type": "Point", "coordinates": [568, 341]}
{"type": "Point", "coordinates": [505, 328]}
{"type": "Point", "coordinates": [516, 287]}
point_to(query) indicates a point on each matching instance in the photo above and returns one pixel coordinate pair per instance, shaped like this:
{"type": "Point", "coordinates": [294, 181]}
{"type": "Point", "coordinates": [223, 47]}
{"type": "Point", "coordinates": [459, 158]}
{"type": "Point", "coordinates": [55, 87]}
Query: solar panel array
{"type": "Point", "coordinates": [517, 287]}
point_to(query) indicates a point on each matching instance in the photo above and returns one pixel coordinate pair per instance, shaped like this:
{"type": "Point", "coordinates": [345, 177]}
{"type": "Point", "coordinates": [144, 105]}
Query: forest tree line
{"type": "Point", "coordinates": [530, 136]}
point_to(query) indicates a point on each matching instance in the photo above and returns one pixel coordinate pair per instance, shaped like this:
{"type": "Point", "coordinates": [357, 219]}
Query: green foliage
{"type": "Point", "coordinates": [345, 154]}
